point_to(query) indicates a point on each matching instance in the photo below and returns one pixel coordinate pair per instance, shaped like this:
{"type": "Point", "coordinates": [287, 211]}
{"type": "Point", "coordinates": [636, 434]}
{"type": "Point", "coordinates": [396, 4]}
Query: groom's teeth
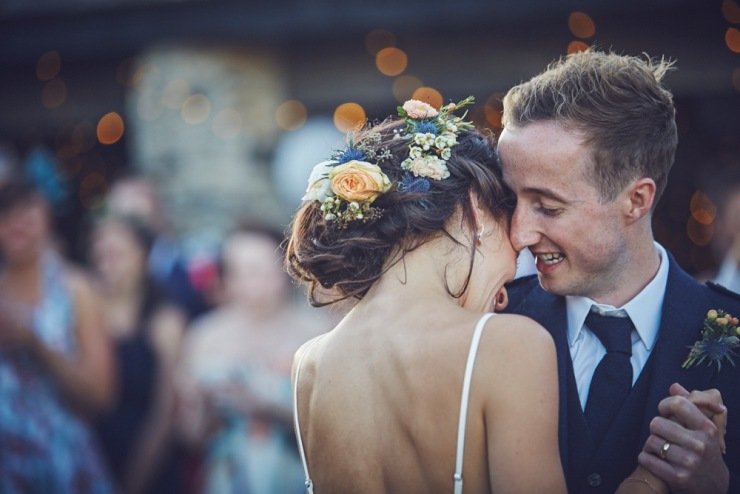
{"type": "Point", "coordinates": [552, 258]}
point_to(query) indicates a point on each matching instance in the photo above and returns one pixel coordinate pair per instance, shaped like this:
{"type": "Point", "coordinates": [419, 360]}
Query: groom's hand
{"type": "Point", "coordinates": [685, 445]}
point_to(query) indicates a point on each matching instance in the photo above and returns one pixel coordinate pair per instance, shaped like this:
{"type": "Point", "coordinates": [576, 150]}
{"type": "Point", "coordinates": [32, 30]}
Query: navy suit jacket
{"type": "Point", "coordinates": [684, 309]}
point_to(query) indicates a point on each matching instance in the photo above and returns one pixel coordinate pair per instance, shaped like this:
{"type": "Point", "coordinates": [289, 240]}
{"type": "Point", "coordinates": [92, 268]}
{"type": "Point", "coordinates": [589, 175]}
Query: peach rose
{"type": "Point", "coordinates": [419, 109]}
{"type": "Point", "coordinates": [358, 181]}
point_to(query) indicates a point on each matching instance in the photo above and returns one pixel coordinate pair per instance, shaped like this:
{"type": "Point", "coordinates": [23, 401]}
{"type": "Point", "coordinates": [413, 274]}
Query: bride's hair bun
{"type": "Point", "coordinates": [339, 260]}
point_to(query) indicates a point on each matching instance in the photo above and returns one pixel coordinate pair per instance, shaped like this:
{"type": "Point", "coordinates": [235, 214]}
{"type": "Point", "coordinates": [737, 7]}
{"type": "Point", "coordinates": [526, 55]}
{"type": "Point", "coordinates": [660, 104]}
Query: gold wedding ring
{"type": "Point", "coordinates": [664, 450]}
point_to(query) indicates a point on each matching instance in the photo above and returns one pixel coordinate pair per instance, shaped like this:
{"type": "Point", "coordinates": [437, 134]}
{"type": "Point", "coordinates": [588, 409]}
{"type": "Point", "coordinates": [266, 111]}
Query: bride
{"type": "Point", "coordinates": [419, 388]}
{"type": "Point", "coordinates": [411, 220]}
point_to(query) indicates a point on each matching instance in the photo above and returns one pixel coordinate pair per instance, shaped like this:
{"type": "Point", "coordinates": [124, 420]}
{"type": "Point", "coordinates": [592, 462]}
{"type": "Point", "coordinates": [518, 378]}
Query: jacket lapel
{"type": "Point", "coordinates": [684, 310]}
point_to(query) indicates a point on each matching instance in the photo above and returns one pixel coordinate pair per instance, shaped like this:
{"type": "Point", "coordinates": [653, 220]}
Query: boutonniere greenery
{"type": "Point", "coordinates": [720, 337]}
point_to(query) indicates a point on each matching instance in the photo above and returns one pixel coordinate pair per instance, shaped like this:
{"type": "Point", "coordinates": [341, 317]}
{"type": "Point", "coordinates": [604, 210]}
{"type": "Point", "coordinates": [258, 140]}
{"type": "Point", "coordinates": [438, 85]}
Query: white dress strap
{"type": "Point", "coordinates": [457, 478]}
{"type": "Point", "coordinates": [296, 423]}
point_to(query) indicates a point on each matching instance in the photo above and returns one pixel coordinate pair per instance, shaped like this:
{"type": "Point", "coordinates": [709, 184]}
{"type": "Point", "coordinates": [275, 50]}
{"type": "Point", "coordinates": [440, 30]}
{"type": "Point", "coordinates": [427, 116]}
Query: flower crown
{"type": "Point", "coordinates": [347, 184]}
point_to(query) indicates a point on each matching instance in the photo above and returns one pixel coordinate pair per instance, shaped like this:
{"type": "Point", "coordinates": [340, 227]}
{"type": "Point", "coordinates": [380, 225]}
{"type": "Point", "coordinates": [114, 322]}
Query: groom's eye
{"type": "Point", "coordinates": [549, 211]}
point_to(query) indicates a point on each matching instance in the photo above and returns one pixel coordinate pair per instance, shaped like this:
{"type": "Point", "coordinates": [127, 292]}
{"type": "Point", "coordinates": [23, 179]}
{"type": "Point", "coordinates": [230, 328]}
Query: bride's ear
{"type": "Point", "coordinates": [475, 206]}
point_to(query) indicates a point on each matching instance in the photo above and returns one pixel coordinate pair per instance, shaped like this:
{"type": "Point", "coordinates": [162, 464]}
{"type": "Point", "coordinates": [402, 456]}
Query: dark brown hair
{"type": "Point", "coordinates": [347, 261]}
{"type": "Point", "coordinates": [619, 105]}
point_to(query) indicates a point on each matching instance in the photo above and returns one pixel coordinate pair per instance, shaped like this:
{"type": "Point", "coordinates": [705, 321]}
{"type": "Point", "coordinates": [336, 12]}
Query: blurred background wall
{"type": "Point", "coordinates": [227, 104]}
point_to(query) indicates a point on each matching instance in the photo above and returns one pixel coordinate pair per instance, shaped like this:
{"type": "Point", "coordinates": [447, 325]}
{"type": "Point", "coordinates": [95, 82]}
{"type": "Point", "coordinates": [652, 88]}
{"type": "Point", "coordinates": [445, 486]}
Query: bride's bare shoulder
{"type": "Point", "coordinates": [512, 332]}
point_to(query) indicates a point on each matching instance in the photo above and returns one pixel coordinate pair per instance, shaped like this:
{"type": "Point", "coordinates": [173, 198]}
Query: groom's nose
{"type": "Point", "coordinates": [523, 230]}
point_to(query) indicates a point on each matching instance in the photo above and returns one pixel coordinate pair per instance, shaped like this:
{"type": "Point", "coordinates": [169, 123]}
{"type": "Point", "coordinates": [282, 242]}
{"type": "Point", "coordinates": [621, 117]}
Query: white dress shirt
{"type": "Point", "coordinates": [586, 350]}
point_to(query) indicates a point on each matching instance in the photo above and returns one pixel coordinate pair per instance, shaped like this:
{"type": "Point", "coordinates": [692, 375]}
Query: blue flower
{"type": "Point", "coordinates": [413, 184]}
{"type": "Point", "coordinates": [349, 154]}
{"type": "Point", "coordinates": [426, 127]}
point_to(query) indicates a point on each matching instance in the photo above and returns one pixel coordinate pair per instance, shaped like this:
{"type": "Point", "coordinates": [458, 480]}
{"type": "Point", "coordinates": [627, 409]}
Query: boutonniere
{"type": "Point", "coordinates": [720, 337]}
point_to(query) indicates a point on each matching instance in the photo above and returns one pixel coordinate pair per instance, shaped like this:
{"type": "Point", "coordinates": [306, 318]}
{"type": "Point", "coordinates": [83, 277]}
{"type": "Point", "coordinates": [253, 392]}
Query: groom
{"type": "Point", "coordinates": [586, 147]}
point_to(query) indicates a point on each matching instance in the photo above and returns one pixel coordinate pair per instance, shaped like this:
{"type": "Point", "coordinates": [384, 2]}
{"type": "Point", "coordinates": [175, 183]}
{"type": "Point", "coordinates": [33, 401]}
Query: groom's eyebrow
{"type": "Point", "coordinates": [545, 192]}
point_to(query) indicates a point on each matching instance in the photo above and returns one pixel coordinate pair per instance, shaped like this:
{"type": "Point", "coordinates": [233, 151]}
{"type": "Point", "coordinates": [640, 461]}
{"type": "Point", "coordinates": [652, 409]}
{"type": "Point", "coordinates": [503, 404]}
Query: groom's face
{"type": "Point", "coordinates": [578, 241]}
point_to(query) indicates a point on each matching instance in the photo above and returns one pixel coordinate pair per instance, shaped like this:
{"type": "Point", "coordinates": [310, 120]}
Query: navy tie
{"type": "Point", "coordinates": [612, 379]}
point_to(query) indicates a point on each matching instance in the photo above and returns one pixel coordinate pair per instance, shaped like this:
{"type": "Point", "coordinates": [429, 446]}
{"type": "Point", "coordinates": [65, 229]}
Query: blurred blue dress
{"type": "Point", "coordinates": [44, 446]}
{"type": "Point", "coordinates": [251, 455]}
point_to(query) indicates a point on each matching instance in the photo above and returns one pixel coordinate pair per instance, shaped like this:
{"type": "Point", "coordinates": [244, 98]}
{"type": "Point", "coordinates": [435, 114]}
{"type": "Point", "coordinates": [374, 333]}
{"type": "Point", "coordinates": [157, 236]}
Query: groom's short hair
{"type": "Point", "coordinates": [619, 105]}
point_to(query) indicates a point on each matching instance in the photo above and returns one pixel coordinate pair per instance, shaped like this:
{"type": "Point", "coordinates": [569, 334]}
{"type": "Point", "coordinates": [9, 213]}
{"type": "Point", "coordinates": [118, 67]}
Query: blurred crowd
{"type": "Point", "coordinates": [125, 373]}
{"type": "Point", "coordinates": [138, 372]}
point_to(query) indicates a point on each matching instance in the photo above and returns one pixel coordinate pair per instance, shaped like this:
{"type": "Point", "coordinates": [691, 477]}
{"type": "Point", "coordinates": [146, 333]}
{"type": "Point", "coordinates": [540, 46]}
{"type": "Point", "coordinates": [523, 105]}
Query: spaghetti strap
{"type": "Point", "coordinates": [457, 477]}
{"type": "Point", "coordinates": [296, 423]}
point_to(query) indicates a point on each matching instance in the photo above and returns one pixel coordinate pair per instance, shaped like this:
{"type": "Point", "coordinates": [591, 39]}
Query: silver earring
{"type": "Point", "coordinates": [479, 234]}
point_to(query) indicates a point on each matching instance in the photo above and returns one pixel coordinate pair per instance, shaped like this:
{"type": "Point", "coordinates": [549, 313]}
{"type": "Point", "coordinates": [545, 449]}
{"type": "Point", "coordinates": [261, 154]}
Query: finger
{"type": "Point", "coordinates": [670, 431]}
{"type": "Point", "coordinates": [677, 390]}
{"type": "Point", "coordinates": [661, 469]}
{"type": "Point", "coordinates": [683, 411]}
{"type": "Point", "coordinates": [710, 399]}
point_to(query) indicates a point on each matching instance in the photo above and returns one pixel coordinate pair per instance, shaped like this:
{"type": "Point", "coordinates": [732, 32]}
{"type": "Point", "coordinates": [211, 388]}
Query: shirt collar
{"type": "Point", "coordinates": [644, 309]}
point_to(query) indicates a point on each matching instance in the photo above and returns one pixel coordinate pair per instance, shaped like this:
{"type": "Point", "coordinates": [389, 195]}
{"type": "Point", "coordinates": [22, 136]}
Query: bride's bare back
{"type": "Point", "coordinates": [379, 402]}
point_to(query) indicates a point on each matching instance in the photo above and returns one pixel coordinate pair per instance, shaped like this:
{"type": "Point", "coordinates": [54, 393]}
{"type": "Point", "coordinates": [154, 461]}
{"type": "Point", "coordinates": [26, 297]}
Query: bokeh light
{"type": "Point", "coordinates": [291, 115]}
{"type": "Point", "coordinates": [404, 86]}
{"type": "Point", "coordinates": [175, 94]}
{"type": "Point", "coordinates": [581, 25]}
{"type": "Point", "coordinates": [110, 128]}
{"type": "Point", "coordinates": [492, 110]}
{"type": "Point", "coordinates": [349, 116]}
{"type": "Point", "coordinates": [699, 233]}
{"type": "Point", "coordinates": [196, 109]}
{"type": "Point", "coordinates": [703, 210]}
{"type": "Point", "coordinates": [391, 61]}
{"type": "Point", "coordinates": [377, 39]}
{"type": "Point", "coordinates": [576, 46]}
{"type": "Point", "coordinates": [429, 95]}
{"type": "Point", "coordinates": [54, 93]}
{"type": "Point", "coordinates": [48, 65]}
{"type": "Point", "coordinates": [732, 39]}
{"type": "Point", "coordinates": [731, 11]}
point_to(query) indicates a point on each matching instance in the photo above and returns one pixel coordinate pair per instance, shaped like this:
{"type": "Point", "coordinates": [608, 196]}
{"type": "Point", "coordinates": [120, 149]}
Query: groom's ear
{"type": "Point", "coordinates": [639, 197]}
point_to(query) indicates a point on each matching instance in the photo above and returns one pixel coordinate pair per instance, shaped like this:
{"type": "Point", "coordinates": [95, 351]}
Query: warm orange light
{"type": "Point", "coordinates": [349, 116]}
{"type": "Point", "coordinates": [732, 38]}
{"type": "Point", "coordinates": [429, 95]}
{"type": "Point", "coordinates": [227, 124]}
{"type": "Point", "coordinates": [731, 11]}
{"type": "Point", "coordinates": [54, 93]}
{"type": "Point", "coordinates": [576, 46]}
{"type": "Point", "coordinates": [377, 39]}
{"type": "Point", "coordinates": [110, 128]}
{"type": "Point", "coordinates": [291, 115]}
{"type": "Point", "coordinates": [698, 233]}
{"type": "Point", "coordinates": [702, 208]}
{"type": "Point", "coordinates": [492, 109]}
{"type": "Point", "coordinates": [196, 109]}
{"type": "Point", "coordinates": [404, 86]}
{"type": "Point", "coordinates": [48, 65]}
{"type": "Point", "coordinates": [391, 61]}
{"type": "Point", "coordinates": [581, 25]}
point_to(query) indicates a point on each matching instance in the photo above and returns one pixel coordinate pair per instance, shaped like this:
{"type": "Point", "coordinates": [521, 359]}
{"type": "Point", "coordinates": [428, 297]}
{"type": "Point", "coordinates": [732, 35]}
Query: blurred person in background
{"type": "Point", "coordinates": [137, 434]}
{"type": "Point", "coordinates": [235, 376]}
{"type": "Point", "coordinates": [725, 192]}
{"type": "Point", "coordinates": [56, 368]}
{"type": "Point", "coordinates": [138, 197]}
